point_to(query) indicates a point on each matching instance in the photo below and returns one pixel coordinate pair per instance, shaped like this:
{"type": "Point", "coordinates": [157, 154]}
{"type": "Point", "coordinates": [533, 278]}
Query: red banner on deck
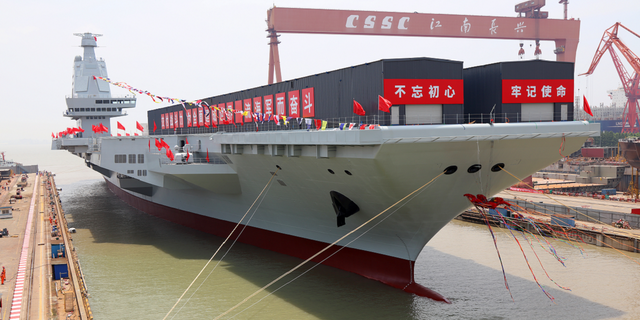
{"type": "Point", "coordinates": [308, 103]}
{"type": "Point", "coordinates": [424, 91]}
{"type": "Point", "coordinates": [537, 91]}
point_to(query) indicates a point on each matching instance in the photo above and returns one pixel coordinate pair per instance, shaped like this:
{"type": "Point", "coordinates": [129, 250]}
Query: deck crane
{"type": "Point", "coordinates": [631, 123]}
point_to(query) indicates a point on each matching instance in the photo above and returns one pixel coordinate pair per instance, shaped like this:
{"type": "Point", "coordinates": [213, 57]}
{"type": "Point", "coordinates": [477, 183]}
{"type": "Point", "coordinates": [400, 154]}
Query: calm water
{"type": "Point", "coordinates": [136, 266]}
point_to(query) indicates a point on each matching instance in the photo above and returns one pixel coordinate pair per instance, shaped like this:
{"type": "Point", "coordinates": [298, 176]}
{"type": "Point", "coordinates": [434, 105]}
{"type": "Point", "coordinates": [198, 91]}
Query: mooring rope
{"type": "Point", "coordinates": [223, 256]}
{"type": "Point", "coordinates": [331, 255]}
{"type": "Point", "coordinates": [566, 206]}
{"type": "Point", "coordinates": [572, 209]}
{"type": "Point", "coordinates": [325, 249]}
{"type": "Point", "coordinates": [223, 243]}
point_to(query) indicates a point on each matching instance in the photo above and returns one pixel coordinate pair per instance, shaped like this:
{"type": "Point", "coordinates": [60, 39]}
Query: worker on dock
{"type": "Point", "coordinates": [3, 276]}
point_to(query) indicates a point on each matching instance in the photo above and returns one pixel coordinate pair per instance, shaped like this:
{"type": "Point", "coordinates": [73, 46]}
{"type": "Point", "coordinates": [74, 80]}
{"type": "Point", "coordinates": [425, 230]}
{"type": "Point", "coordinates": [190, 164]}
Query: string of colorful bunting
{"type": "Point", "coordinates": [383, 105]}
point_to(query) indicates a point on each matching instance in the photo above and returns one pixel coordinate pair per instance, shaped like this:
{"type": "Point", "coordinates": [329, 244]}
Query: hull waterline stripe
{"type": "Point", "coordinates": [392, 271]}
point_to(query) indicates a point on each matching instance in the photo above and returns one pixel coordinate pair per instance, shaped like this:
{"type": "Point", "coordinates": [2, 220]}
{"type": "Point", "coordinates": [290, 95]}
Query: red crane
{"type": "Point", "coordinates": [534, 25]}
{"type": "Point", "coordinates": [631, 123]}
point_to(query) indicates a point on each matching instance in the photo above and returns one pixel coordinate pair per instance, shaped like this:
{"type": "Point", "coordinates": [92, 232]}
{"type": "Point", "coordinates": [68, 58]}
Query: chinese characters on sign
{"type": "Point", "coordinates": [308, 103]}
{"type": "Point", "coordinates": [537, 91]}
{"type": "Point", "coordinates": [294, 103]}
{"type": "Point", "coordinates": [280, 104]}
{"type": "Point", "coordinates": [424, 91]}
{"type": "Point", "coordinates": [268, 104]}
{"type": "Point", "coordinates": [247, 109]}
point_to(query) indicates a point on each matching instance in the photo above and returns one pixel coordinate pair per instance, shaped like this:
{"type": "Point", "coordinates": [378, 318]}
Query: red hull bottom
{"type": "Point", "coordinates": [392, 271]}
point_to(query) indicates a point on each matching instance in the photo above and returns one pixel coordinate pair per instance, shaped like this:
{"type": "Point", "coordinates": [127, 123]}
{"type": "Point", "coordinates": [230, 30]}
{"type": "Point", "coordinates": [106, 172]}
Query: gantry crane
{"type": "Point", "coordinates": [631, 123]}
{"type": "Point", "coordinates": [532, 24]}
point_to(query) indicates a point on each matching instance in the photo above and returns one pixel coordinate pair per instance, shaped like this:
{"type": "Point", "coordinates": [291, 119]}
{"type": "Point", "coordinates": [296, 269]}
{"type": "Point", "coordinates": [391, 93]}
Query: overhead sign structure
{"type": "Point", "coordinates": [565, 33]}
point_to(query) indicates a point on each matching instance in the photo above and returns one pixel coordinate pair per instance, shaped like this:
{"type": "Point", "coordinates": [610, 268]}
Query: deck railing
{"type": "Point", "coordinates": [358, 121]}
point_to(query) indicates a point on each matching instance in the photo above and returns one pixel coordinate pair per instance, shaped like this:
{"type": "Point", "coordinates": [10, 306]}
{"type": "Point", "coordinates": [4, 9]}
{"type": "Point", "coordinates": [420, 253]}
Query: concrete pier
{"type": "Point", "coordinates": [35, 223]}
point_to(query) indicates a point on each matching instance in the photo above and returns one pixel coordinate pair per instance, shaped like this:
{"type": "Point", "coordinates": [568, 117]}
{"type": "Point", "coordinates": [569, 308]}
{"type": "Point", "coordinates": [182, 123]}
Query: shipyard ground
{"type": "Point", "coordinates": [29, 291]}
{"type": "Point", "coordinates": [589, 232]}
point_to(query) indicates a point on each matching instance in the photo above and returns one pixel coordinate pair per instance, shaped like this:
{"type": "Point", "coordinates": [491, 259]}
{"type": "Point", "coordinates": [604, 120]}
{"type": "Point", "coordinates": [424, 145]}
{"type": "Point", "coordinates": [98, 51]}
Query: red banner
{"type": "Point", "coordinates": [207, 116]}
{"type": "Point", "coordinates": [247, 108]}
{"type": "Point", "coordinates": [170, 120]}
{"type": "Point", "coordinates": [257, 105]}
{"type": "Point", "coordinates": [194, 115]}
{"type": "Point", "coordinates": [268, 104]}
{"type": "Point", "coordinates": [162, 121]}
{"type": "Point", "coordinates": [238, 111]}
{"type": "Point", "coordinates": [229, 112]}
{"type": "Point", "coordinates": [176, 123]}
{"type": "Point", "coordinates": [525, 190]}
{"type": "Point", "coordinates": [308, 103]}
{"type": "Point", "coordinates": [294, 103]}
{"type": "Point", "coordinates": [200, 116]}
{"type": "Point", "coordinates": [188, 118]}
{"type": "Point", "coordinates": [181, 117]}
{"type": "Point", "coordinates": [221, 114]}
{"type": "Point", "coordinates": [280, 104]}
{"type": "Point", "coordinates": [424, 91]}
{"type": "Point", "coordinates": [537, 91]}
{"type": "Point", "coordinates": [214, 116]}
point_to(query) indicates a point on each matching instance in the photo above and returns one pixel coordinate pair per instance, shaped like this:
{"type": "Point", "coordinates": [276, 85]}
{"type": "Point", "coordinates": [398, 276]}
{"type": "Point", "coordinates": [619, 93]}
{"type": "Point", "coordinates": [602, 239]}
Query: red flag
{"type": "Point", "coordinates": [135, 134]}
{"type": "Point", "coordinates": [207, 155]}
{"type": "Point", "coordinates": [154, 126]}
{"type": "Point", "coordinates": [149, 144]}
{"type": "Point", "coordinates": [120, 126]}
{"type": "Point", "coordinates": [587, 109]}
{"type": "Point", "coordinates": [53, 136]}
{"type": "Point", "coordinates": [318, 123]}
{"type": "Point", "coordinates": [158, 145]}
{"type": "Point", "coordinates": [164, 144]}
{"type": "Point", "coordinates": [383, 104]}
{"type": "Point", "coordinates": [169, 154]}
{"type": "Point", "coordinates": [139, 127]}
{"type": "Point", "coordinates": [119, 135]}
{"type": "Point", "coordinates": [363, 126]}
{"type": "Point", "coordinates": [357, 108]}
{"type": "Point", "coordinates": [80, 130]}
{"type": "Point", "coordinates": [187, 156]}
{"type": "Point", "coordinates": [103, 128]}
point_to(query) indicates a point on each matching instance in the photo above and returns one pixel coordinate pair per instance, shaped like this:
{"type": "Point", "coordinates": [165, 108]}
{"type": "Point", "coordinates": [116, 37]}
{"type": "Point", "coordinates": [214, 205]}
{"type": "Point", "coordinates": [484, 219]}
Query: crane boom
{"type": "Point", "coordinates": [631, 122]}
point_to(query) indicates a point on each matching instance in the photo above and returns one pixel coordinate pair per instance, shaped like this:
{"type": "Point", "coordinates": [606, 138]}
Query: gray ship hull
{"type": "Point", "coordinates": [373, 168]}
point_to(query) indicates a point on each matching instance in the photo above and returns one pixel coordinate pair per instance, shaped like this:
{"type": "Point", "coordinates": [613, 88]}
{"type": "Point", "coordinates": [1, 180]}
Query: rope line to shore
{"type": "Point", "coordinates": [223, 256]}
{"type": "Point", "coordinates": [329, 256]}
{"type": "Point", "coordinates": [572, 209]}
{"type": "Point", "coordinates": [223, 243]}
{"type": "Point", "coordinates": [577, 230]}
{"type": "Point", "coordinates": [564, 205]}
{"type": "Point", "coordinates": [325, 248]}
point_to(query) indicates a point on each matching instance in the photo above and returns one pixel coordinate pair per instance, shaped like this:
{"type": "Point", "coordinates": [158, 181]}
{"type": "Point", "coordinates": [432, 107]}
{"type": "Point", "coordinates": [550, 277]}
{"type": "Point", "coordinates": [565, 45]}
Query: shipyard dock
{"type": "Point", "coordinates": [576, 218]}
{"type": "Point", "coordinates": [42, 278]}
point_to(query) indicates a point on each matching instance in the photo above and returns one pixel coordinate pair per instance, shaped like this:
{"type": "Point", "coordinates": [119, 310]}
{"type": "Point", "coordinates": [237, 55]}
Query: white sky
{"type": "Point", "coordinates": [195, 49]}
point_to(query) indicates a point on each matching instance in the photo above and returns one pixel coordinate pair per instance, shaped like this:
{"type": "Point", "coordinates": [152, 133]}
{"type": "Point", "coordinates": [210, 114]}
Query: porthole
{"type": "Point", "coordinates": [348, 172]}
{"type": "Point", "coordinates": [450, 169]}
{"type": "Point", "coordinates": [497, 167]}
{"type": "Point", "coordinates": [474, 168]}
{"type": "Point", "coordinates": [331, 171]}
